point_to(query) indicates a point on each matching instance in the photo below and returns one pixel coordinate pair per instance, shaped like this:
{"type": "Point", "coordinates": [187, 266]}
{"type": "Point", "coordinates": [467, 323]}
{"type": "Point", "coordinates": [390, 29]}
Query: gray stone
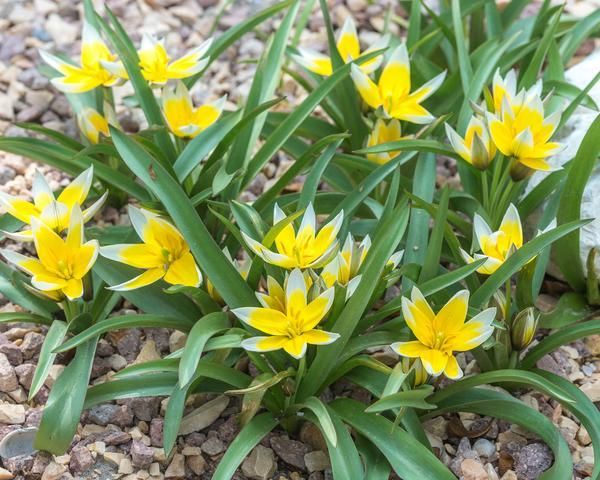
{"type": "Point", "coordinates": [316, 461]}
{"type": "Point", "coordinates": [532, 460]}
{"type": "Point", "coordinates": [484, 448]}
{"type": "Point", "coordinates": [11, 46]}
{"type": "Point", "coordinates": [11, 414]}
{"type": "Point", "coordinates": [290, 451]}
{"type": "Point", "coordinates": [18, 442]}
{"type": "Point", "coordinates": [8, 378]}
{"type": "Point", "coordinates": [7, 111]}
{"type": "Point", "coordinates": [25, 373]}
{"type": "Point", "coordinates": [203, 416]}
{"type": "Point", "coordinates": [176, 468]}
{"type": "Point", "coordinates": [115, 414]}
{"type": "Point", "coordinates": [141, 455]}
{"type": "Point", "coordinates": [145, 408]}
{"type": "Point", "coordinates": [32, 344]}
{"type": "Point", "coordinates": [213, 445]}
{"type": "Point", "coordinates": [196, 464]}
{"type": "Point", "coordinates": [156, 432]}
{"type": "Point", "coordinates": [260, 464]}
{"type": "Point", "coordinates": [81, 459]}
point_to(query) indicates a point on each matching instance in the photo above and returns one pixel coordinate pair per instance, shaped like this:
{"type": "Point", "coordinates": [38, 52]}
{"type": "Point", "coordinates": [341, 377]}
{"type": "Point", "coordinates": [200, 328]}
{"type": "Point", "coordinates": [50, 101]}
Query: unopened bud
{"type": "Point", "coordinates": [518, 171]}
{"type": "Point", "coordinates": [479, 154]}
{"type": "Point", "coordinates": [524, 328]}
{"type": "Point", "coordinates": [418, 369]}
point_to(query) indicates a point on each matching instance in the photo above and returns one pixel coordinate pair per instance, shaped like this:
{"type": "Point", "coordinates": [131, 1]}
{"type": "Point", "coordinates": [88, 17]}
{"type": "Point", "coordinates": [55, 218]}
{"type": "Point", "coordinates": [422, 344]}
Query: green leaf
{"type": "Point", "coordinates": [509, 376]}
{"type": "Point", "coordinates": [434, 248]}
{"type": "Point", "coordinates": [21, 317]}
{"type": "Point", "coordinates": [571, 308]}
{"type": "Point", "coordinates": [560, 337]}
{"type": "Point", "coordinates": [65, 402]}
{"type": "Point", "coordinates": [241, 446]}
{"type": "Point", "coordinates": [520, 258]}
{"type": "Point", "coordinates": [155, 385]}
{"type": "Point", "coordinates": [432, 146]}
{"type": "Point", "coordinates": [318, 408]}
{"type": "Point", "coordinates": [126, 321]}
{"type": "Point", "coordinates": [413, 461]}
{"type": "Point", "coordinates": [464, 64]}
{"type": "Point", "coordinates": [202, 330]}
{"type": "Point", "coordinates": [416, 398]}
{"type": "Point", "coordinates": [226, 279]}
{"type": "Point", "coordinates": [54, 338]}
{"type": "Point", "coordinates": [569, 210]}
{"type": "Point", "coordinates": [59, 137]}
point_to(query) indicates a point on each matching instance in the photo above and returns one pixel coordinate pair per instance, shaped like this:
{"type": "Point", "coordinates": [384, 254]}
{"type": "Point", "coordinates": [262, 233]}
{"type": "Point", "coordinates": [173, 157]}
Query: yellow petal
{"type": "Point", "coordinates": [77, 191]}
{"type": "Point", "coordinates": [73, 289]}
{"type": "Point", "coordinates": [347, 44]}
{"type": "Point", "coordinates": [452, 316]}
{"type": "Point", "coordinates": [184, 271]}
{"type": "Point", "coordinates": [137, 255]}
{"type": "Point", "coordinates": [320, 337]}
{"type": "Point", "coordinates": [394, 82]}
{"type": "Point", "coordinates": [314, 61]}
{"type": "Point", "coordinates": [18, 208]}
{"type": "Point", "coordinates": [412, 349]}
{"type": "Point", "coordinates": [473, 333]}
{"type": "Point", "coordinates": [266, 320]}
{"type": "Point", "coordinates": [366, 87]}
{"type": "Point", "coordinates": [85, 258]}
{"type": "Point", "coordinates": [51, 249]}
{"type": "Point", "coordinates": [434, 361]}
{"type": "Point", "coordinates": [314, 312]}
{"type": "Point", "coordinates": [296, 346]}
{"type": "Point", "coordinates": [148, 277]}
{"type": "Point", "coordinates": [264, 344]}
{"type": "Point", "coordinates": [453, 370]}
{"type": "Point", "coordinates": [511, 226]}
{"type": "Point", "coordinates": [420, 324]}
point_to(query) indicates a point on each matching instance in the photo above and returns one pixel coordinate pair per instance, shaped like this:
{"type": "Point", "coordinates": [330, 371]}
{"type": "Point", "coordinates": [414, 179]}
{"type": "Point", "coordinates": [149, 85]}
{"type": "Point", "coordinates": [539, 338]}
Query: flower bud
{"type": "Point", "coordinates": [524, 328]}
{"type": "Point", "coordinates": [480, 156]}
{"type": "Point", "coordinates": [518, 171]}
{"type": "Point", "coordinates": [416, 365]}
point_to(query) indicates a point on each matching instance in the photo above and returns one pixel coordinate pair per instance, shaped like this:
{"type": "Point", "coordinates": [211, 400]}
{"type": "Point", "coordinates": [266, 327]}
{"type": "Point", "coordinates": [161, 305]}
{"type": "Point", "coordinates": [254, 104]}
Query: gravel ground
{"type": "Point", "coordinates": [124, 439]}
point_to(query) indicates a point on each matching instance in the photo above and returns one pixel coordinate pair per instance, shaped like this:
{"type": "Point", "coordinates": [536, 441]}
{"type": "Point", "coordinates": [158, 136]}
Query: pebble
{"type": "Point", "coordinates": [260, 464]}
{"type": "Point", "coordinates": [32, 344]}
{"type": "Point", "coordinates": [177, 340]}
{"type": "Point", "coordinates": [5, 474]}
{"type": "Point", "coordinates": [196, 464]}
{"type": "Point", "coordinates": [203, 416]}
{"type": "Point", "coordinates": [62, 32]}
{"type": "Point", "coordinates": [532, 460]}
{"type": "Point", "coordinates": [11, 414]}
{"type": "Point", "coordinates": [290, 451]}
{"type": "Point", "coordinates": [81, 459]}
{"type": "Point", "coordinates": [53, 471]}
{"type": "Point", "coordinates": [473, 470]}
{"type": "Point", "coordinates": [592, 389]}
{"type": "Point", "coordinates": [115, 414]}
{"type": "Point", "coordinates": [213, 445]}
{"type": "Point", "coordinates": [141, 455]}
{"type": "Point", "coordinates": [114, 457]}
{"type": "Point", "coordinates": [484, 447]}
{"type": "Point", "coordinates": [7, 111]}
{"type": "Point", "coordinates": [316, 461]}
{"type": "Point", "coordinates": [176, 468]}
{"type": "Point", "coordinates": [8, 377]}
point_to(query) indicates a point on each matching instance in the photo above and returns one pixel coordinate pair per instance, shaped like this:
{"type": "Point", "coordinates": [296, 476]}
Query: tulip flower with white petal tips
{"type": "Point", "coordinates": [156, 65]}
{"type": "Point", "coordinates": [292, 329]}
{"type": "Point", "coordinates": [497, 246]}
{"type": "Point", "coordinates": [164, 254]}
{"type": "Point", "coordinates": [275, 297]}
{"type": "Point", "coordinates": [53, 212]}
{"type": "Point", "coordinates": [90, 73]}
{"type": "Point", "coordinates": [440, 335]}
{"type": "Point", "coordinates": [477, 147]}
{"type": "Point", "coordinates": [61, 264]}
{"type": "Point", "coordinates": [521, 130]}
{"type": "Point", "coordinates": [303, 249]}
{"type": "Point", "coordinates": [392, 92]}
{"type": "Point", "coordinates": [185, 120]}
{"type": "Point", "coordinates": [348, 47]}
{"type": "Point", "coordinates": [343, 269]}
{"type": "Point", "coordinates": [383, 133]}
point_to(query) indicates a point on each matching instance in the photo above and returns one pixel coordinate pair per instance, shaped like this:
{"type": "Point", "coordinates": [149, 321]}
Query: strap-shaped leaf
{"type": "Point", "coordinates": [54, 337]}
{"type": "Point", "coordinates": [416, 398]}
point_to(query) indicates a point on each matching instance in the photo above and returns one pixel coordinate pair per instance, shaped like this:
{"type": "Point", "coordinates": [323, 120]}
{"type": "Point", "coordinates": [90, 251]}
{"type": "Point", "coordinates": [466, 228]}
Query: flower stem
{"type": "Point", "coordinates": [485, 191]}
{"type": "Point", "coordinates": [299, 375]}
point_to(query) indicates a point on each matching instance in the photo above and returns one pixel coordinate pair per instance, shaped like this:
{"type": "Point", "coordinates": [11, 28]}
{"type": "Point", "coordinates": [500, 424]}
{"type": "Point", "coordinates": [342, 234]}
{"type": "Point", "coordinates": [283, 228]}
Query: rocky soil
{"type": "Point", "coordinates": [124, 439]}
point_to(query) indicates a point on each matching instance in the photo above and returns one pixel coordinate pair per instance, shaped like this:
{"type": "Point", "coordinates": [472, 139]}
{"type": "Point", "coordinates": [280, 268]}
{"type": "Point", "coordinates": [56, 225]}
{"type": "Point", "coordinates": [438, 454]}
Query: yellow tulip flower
{"type": "Point", "coordinates": [348, 47]}
{"type": "Point", "coordinates": [477, 147]}
{"type": "Point", "coordinates": [496, 247]}
{"type": "Point", "coordinates": [164, 254]}
{"type": "Point", "coordinates": [92, 123]}
{"type": "Point", "coordinates": [294, 328]}
{"type": "Point", "coordinates": [343, 269]}
{"type": "Point", "coordinates": [183, 119]}
{"type": "Point", "coordinates": [61, 264]}
{"type": "Point", "coordinates": [383, 133]}
{"type": "Point", "coordinates": [392, 92]}
{"type": "Point", "coordinates": [54, 213]}
{"type": "Point", "coordinates": [156, 65]}
{"type": "Point", "coordinates": [305, 249]}
{"type": "Point", "coordinates": [520, 130]}
{"type": "Point", "coordinates": [275, 297]}
{"type": "Point", "coordinates": [91, 72]}
{"type": "Point", "coordinates": [440, 335]}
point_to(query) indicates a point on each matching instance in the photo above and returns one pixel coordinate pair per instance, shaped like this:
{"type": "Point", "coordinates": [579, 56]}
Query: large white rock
{"type": "Point", "coordinates": [571, 135]}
